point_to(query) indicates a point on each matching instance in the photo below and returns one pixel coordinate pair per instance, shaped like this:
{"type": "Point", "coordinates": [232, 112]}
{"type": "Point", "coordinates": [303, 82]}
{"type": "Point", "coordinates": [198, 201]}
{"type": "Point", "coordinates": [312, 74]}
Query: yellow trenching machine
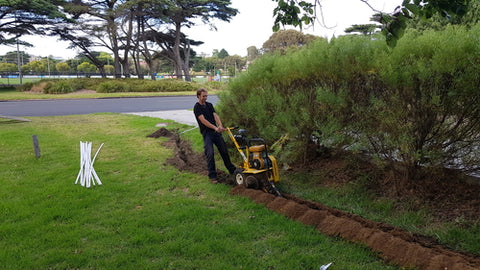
{"type": "Point", "coordinates": [258, 170]}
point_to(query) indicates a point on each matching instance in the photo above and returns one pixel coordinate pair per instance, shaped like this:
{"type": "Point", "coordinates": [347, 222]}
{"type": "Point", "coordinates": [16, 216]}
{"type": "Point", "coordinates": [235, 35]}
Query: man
{"type": "Point", "coordinates": [211, 128]}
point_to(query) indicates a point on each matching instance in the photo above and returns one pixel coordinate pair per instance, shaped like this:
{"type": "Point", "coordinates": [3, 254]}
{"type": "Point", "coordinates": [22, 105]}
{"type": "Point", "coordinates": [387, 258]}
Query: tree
{"type": "Point", "coordinates": [19, 18]}
{"type": "Point", "coordinates": [364, 29]}
{"type": "Point", "coordinates": [104, 23]}
{"type": "Point", "coordinates": [86, 67]}
{"type": "Point", "coordinates": [63, 67]}
{"type": "Point", "coordinates": [222, 54]}
{"type": "Point", "coordinates": [166, 41]}
{"type": "Point", "coordinates": [203, 64]}
{"type": "Point", "coordinates": [182, 13]}
{"type": "Point", "coordinates": [86, 45]}
{"type": "Point", "coordinates": [8, 67]}
{"type": "Point", "coordinates": [252, 53]}
{"type": "Point", "coordinates": [234, 63]}
{"type": "Point", "coordinates": [282, 40]}
{"type": "Point", "coordinates": [35, 67]}
{"type": "Point", "coordinates": [12, 57]}
{"type": "Point", "coordinates": [294, 12]}
{"type": "Point", "coordinates": [299, 12]}
{"type": "Point", "coordinates": [439, 22]}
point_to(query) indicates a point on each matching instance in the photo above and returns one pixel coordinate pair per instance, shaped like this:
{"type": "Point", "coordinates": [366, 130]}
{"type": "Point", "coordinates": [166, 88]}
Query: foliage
{"type": "Point", "coordinates": [25, 86]}
{"type": "Point", "coordinates": [8, 67]}
{"type": "Point", "coordinates": [394, 24]}
{"type": "Point", "coordinates": [62, 67]}
{"type": "Point", "coordinates": [12, 57]}
{"type": "Point", "coordinates": [111, 87]}
{"type": "Point", "coordinates": [430, 92]}
{"type": "Point", "coordinates": [175, 46]}
{"type": "Point", "coordinates": [364, 29]}
{"type": "Point", "coordinates": [416, 104]}
{"type": "Point", "coordinates": [86, 67]}
{"type": "Point", "coordinates": [60, 86]}
{"type": "Point", "coordinates": [222, 54]}
{"type": "Point", "coordinates": [252, 53]}
{"type": "Point", "coordinates": [293, 12]}
{"type": "Point", "coordinates": [284, 39]}
{"type": "Point", "coordinates": [299, 13]}
{"type": "Point", "coordinates": [20, 18]}
{"type": "Point", "coordinates": [34, 66]}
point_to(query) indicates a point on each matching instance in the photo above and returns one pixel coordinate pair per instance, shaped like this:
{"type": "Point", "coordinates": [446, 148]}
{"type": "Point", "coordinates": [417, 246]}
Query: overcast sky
{"type": "Point", "coordinates": [251, 27]}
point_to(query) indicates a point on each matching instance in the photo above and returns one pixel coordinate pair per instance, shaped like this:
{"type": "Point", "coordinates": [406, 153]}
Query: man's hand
{"type": "Point", "coordinates": [220, 129]}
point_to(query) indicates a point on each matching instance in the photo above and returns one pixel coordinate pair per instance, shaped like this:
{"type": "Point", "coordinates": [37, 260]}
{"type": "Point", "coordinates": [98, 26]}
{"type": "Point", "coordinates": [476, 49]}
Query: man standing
{"type": "Point", "coordinates": [211, 128]}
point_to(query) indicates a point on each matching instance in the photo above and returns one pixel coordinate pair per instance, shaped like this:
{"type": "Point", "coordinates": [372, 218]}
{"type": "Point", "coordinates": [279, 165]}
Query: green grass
{"type": "Point", "coordinates": [16, 81]}
{"type": "Point", "coordinates": [145, 215]}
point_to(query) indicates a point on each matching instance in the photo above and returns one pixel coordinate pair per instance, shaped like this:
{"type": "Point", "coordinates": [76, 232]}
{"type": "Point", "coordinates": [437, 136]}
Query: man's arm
{"type": "Point", "coordinates": [219, 122]}
{"type": "Point", "coordinates": [210, 125]}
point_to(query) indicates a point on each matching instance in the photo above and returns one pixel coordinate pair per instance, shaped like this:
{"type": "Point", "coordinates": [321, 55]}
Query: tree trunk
{"type": "Point", "coordinates": [176, 50]}
{"type": "Point", "coordinates": [186, 64]}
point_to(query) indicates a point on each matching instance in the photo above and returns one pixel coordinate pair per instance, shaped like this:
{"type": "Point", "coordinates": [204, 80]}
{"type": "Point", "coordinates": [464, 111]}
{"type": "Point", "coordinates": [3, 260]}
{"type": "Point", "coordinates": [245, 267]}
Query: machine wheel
{"type": "Point", "coordinates": [239, 177]}
{"type": "Point", "coordinates": [252, 182]}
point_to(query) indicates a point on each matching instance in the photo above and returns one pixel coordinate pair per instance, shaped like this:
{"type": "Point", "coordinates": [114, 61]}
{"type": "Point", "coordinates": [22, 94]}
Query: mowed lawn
{"type": "Point", "coordinates": [146, 215]}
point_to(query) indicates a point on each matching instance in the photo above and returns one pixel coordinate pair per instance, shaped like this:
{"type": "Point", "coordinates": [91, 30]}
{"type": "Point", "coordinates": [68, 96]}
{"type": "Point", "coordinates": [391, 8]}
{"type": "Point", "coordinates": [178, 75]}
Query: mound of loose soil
{"type": "Point", "coordinates": [449, 194]}
{"type": "Point", "coordinates": [163, 132]}
{"type": "Point", "coordinates": [393, 244]}
{"type": "Point", "coordinates": [185, 158]}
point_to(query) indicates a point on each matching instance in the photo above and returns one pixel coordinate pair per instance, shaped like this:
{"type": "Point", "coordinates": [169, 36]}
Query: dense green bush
{"type": "Point", "coordinates": [104, 85]}
{"type": "Point", "coordinates": [418, 103]}
{"type": "Point", "coordinates": [59, 87]}
{"type": "Point", "coordinates": [25, 87]}
{"type": "Point", "coordinates": [111, 87]}
{"type": "Point", "coordinates": [430, 107]}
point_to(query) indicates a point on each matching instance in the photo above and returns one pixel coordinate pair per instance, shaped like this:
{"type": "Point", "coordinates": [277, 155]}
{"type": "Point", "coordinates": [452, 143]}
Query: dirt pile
{"type": "Point", "coordinates": [393, 244]}
{"type": "Point", "coordinates": [449, 194]}
{"type": "Point", "coordinates": [185, 158]}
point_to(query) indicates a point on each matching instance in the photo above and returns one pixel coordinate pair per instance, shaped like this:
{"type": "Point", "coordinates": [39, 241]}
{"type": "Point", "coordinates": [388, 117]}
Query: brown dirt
{"type": "Point", "coordinates": [393, 244]}
{"type": "Point", "coordinates": [184, 157]}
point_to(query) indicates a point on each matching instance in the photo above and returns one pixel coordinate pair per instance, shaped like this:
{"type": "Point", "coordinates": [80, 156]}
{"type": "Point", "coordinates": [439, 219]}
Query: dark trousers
{"type": "Point", "coordinates": [211, 138]}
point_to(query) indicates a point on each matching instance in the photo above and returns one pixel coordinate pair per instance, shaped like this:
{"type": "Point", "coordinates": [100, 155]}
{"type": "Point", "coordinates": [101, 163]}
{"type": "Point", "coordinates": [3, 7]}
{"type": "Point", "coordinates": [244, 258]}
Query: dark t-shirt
{"type": "Point", "coordinates": [207, 110]}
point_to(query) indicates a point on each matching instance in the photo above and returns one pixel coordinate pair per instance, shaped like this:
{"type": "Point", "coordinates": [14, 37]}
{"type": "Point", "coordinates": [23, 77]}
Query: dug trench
{"type": "Point", "coordinates": [394, 245]}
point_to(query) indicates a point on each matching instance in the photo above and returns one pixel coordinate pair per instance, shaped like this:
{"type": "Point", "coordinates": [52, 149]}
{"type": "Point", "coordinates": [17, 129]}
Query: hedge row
{"type": "Point", "coordinates": [418, 103]}
{"type": "Point", "coordinates": [63, 86]}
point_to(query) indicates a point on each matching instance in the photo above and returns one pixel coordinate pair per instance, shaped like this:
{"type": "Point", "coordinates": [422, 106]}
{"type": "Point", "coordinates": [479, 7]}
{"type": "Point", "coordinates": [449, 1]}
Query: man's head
{"type": "Point", "coordinates": [202, 95]}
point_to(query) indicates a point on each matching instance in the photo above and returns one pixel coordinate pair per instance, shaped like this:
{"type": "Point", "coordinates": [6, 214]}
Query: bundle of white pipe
{"type": "Point", "coordinates": [87, 175]}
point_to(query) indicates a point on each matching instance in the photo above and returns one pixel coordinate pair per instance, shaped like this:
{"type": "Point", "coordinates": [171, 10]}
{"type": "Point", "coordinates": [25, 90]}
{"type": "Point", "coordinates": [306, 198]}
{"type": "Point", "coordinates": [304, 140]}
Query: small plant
{"type": "Point", "coordinates": [25, 87]}
{"type": "Point", "coordinates": [58, 87]}
{"type": "Point", "coordinates": [111, 87]}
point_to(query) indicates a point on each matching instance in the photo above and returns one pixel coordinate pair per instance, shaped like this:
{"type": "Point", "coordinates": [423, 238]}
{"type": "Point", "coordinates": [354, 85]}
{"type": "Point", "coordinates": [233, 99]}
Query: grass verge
{"type": "Point", "coordinates": [145, 215]}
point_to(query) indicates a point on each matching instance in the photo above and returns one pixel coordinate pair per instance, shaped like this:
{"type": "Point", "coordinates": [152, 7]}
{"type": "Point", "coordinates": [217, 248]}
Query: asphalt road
{"type": "Point", "coordinates": [54, 107]}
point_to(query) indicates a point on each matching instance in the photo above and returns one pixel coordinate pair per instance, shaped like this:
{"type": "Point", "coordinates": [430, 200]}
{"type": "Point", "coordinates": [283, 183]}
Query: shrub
{"type": "Point", "coordinates": [58, 87]}
{"type": "Point", "coordinates": [111, 86]}
{"type": "Point", "coordinates": [417, 103]}
{"type": "Point", "coordinates": [428, 114]}
{"type": "Point", "coordinates": [25, 86]}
